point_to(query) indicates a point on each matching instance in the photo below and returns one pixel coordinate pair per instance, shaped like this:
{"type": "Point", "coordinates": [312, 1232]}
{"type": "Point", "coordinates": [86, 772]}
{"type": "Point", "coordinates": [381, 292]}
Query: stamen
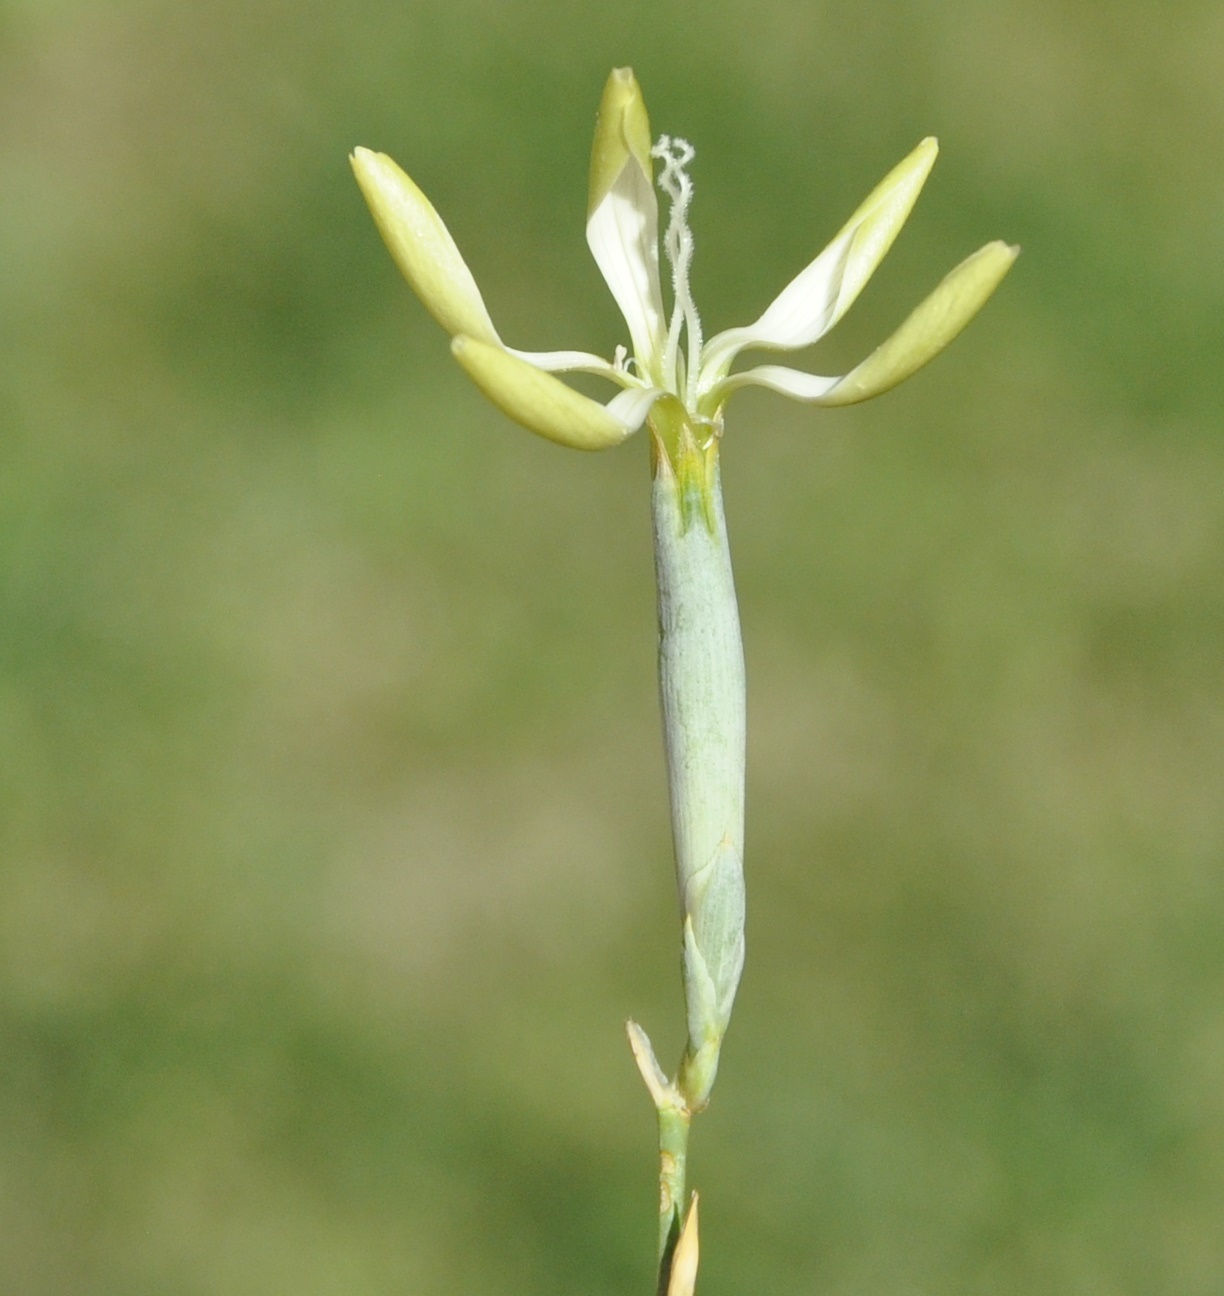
{"type": "Point", "coordinates": [674, 180]}
{"type": "Point", "coordinates": [629, 365]}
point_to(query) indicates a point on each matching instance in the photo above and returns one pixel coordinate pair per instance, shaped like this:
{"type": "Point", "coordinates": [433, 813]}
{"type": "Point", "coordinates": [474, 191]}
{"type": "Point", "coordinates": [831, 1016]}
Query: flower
{"type": "Point", "coordinates": [671, 366]}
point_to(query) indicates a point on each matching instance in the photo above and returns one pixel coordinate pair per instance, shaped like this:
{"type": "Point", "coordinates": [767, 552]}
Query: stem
{"type": "Point", "coordinates": [701, 691]}
{"type": "Point", "coordinates": [674, 1123]}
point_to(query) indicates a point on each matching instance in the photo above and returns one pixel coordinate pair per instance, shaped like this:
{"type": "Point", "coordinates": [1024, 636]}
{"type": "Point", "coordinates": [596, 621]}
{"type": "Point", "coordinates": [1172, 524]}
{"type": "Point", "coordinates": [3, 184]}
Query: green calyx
{"type": "Point", "coordinates": [688, 455]}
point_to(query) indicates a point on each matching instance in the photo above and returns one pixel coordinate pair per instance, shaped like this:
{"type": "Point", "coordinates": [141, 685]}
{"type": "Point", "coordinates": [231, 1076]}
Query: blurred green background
{"type": "Point", "coordinates": [332, 823]}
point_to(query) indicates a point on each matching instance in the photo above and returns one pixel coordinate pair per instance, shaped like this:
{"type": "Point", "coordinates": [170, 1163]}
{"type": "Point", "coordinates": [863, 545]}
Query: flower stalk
{"type": "Point", "coordinates": [702, 699]}
{"type": "Point", "coordinates": [677, 383]}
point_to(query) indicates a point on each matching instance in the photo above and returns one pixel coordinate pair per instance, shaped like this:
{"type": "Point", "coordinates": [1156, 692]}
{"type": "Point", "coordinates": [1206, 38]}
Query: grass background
{"type": "Point", "coordinates": [333, 839]}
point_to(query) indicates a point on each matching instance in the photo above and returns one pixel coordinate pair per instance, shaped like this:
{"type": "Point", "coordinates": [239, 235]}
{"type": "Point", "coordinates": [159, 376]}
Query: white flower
{"type": "Point", "coordinates": [671, 365]}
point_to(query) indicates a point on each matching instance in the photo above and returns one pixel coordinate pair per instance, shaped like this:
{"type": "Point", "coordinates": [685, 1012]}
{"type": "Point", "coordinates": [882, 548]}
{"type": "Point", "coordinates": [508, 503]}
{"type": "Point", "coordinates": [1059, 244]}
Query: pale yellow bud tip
{"type": "Point", "coordinates": [930, 327]}
{"type": "Point", "coordinates": [683, 1277]}
{"type": "Point", "coordinates": [422, 246]}
{"type": "Point", "coordinates": [622, 131]}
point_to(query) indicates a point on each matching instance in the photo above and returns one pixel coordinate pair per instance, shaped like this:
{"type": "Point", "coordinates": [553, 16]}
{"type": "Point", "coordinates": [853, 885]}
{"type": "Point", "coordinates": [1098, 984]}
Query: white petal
{"type": "Point", "coordinates": [808, 307]}
{"type": "Point", "coordinates": [623, 235]}
{"type": "Point", "coordinates": [632, 406]}
{"type": "Point", "coordinates": [623, 213]}
{"type": "Point", "coordinates": [800, 314]}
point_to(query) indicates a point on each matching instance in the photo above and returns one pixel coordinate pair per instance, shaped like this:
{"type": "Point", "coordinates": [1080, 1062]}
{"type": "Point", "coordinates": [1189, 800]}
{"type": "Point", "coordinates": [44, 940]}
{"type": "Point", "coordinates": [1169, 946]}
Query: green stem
{"type": "Point", "coordinates": [674, 1123]}
{"type": "Point", "coordinates": [701, 691]}
{"type": "Point", "coordinates": [674, 1120]}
